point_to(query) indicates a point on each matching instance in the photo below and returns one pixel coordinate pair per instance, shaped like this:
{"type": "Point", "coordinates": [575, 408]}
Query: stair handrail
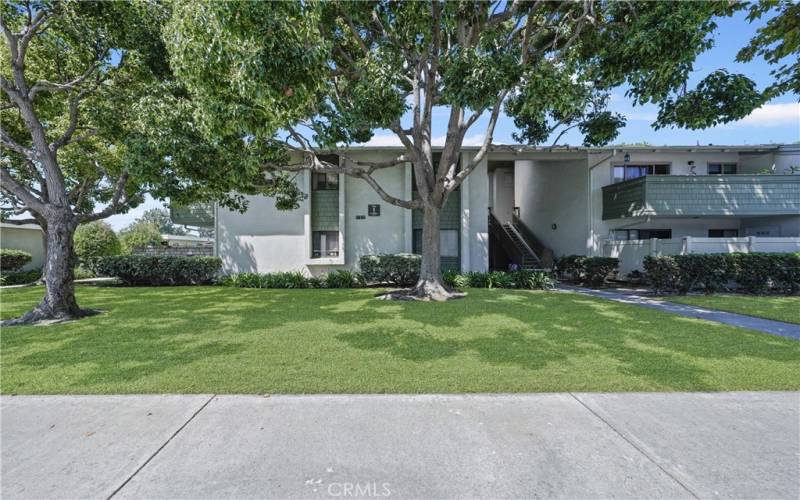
{"type": "Point", "coordinates": [506, 241]}
{"type": "Point", "coordinates": [542, 251]}
{"type": "Point", "coordinates": [524, 242]}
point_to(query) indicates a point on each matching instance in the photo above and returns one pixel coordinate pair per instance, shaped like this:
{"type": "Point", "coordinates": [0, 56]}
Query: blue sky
{"type": "Point", "coordinates": [777, 122]}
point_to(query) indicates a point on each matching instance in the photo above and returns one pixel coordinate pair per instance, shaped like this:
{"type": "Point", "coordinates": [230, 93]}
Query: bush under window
{"type": "Point", "coordinates": [12, 260]}
{"type": "Point", "coordinates": [160, 270]}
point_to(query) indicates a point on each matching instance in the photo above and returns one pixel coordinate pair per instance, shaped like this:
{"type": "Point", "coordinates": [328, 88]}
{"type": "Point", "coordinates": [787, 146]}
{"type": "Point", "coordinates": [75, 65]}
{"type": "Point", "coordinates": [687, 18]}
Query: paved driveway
{"type": "Point", "coordinates": [721, 445]}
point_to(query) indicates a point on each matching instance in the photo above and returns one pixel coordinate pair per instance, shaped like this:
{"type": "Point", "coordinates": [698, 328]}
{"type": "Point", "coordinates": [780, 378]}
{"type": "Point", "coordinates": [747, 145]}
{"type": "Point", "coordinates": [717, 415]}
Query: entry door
{"type": "Point", "coordinates": [503, 194]}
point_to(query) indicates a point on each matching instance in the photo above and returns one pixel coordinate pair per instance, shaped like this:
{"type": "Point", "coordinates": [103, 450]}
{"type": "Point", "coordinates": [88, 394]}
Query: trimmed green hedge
{"type": "Point", "coordinates": [19, 277]}
{"type": "Point", "coordinates": [335, 279]}
{"type": "Point", "coordinates": [11, 259]}
{"type": "Point", "coordinates": [582, 269]}
{"type": "Point", "coordinates": [393, 269]}
{"type": "Point", "coordinates": [753, 272]}
{"type": "Point", "coordinates": [160, 270]}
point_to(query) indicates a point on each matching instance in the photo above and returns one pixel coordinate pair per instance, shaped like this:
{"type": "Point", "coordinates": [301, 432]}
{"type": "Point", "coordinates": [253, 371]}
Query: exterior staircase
{"type": "Point", "coordinates": [528, 258]}
{"type": "Point", "coordinates": [519, 244]}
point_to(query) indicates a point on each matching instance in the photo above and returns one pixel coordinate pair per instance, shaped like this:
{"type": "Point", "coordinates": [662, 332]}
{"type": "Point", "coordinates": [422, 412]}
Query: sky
{"type": "Point", "coordinates": [776, 122]}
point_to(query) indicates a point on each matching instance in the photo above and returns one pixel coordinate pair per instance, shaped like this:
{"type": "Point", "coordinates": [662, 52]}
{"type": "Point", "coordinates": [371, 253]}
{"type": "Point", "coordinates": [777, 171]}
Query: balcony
{"type": "Point", "coordinates": [702, 195]}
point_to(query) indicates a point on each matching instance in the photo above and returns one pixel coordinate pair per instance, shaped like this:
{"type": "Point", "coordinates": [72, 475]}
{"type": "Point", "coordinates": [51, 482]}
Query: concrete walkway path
{"type": "Point", "coordinates": [632, 445]}
{"type": "Point", "coordinates": [789, 330]}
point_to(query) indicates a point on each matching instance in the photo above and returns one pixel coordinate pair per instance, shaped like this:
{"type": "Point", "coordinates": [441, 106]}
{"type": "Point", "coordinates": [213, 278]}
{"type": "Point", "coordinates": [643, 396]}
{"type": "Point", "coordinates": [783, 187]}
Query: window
{"type": "Point", "coordinates": [625, 172]}
{"type": "Point", "coordinates": [642, 234]}
{"type": "Point", "coordinates": [721, 168]}
{"type": "Point", "coordinates": [723, 233]}
{"type": "Point", "coordinates": [324, 182]}
{"type": "Point", "coordinates": [324, 244]}
{"type": "Point", "coordinates": [448, 242]}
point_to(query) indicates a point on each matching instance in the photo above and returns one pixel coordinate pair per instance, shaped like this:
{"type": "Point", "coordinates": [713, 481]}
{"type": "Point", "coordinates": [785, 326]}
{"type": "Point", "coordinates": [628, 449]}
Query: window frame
{"type": "Point", "coordinates": [722, 165]}
{"type": "Point", "coordinates": [316, 250]}
{"type": "Point", "coordinates": [650, 166]}
{"type": "Point", "coordinates": [639, 234]}
{"type": "Point", "coordinates": [326, 181]}
{"type": "Point", "coordinates": [723, 231]}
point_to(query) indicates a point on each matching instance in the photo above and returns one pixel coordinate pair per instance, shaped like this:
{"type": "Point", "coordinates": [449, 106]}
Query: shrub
{"type": "Point", "coordinates": [160, 270]}
{"type": "Point", "coordinates": [398, 269]}
{"type": "Point", "coordinates": [499, 279]}
{"type": "Point", "coordinates": [533, 280]}
{"type": "Point", "coordinates": [138, 235]}
{"type": "Point", "coordinates": [95, 240]}
{"type": "Point", "coordinates": [572, 267]}
{"type": "Point", "coordinates": [713, 271]}
{"type": "Point", "coordinates": [8, 278]}
{"type": "Point", "coordinates": [598, 269]}
{"type": "Point", "coordinates": [753, 272]}
{"type": "Point", "coordinates": [788, 279]}
{"type": "Point", "coordinates": [317, 282]}
{"type": "Point", "coordinates": [11, 259]}
{"type": "Point", "coordinates": [284, 280]}
{"type": "Point", "coordinates": [756, 272]}
{"type": "Point", "coordinates": [82, 273]}
{"type": "Point", "coordinates": [344, 278]}
{"type": "Point", "coordinates": [580, 268]}
{"type": "Point", "coordinates": [662, 272]}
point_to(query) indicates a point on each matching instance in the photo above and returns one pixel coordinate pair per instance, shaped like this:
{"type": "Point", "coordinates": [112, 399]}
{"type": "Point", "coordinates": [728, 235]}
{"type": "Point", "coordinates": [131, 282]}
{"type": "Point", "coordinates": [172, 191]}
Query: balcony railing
{"type": "Point", "coordinates": [702, 195]}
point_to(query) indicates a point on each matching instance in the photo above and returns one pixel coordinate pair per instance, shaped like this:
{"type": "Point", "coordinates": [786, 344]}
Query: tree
{"type": "Point", "coordinates": [94, 240]}
{"type": "Point", "coordinates": [304, 77]}
{"type": "Point", "coordinates": [92, 118]}
{"type": "Point", "coordinates": [140, 234]}
{"type": "Point", "coordinates": [161, 219]}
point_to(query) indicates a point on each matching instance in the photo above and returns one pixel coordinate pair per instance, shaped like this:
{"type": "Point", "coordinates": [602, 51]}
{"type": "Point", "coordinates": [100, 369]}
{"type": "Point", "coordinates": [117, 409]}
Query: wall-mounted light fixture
{"type": "Point", "coordinates": [691, 168]}
{"type": "Point", "coordinates": [553, 226]}
{"type": "Point", "coordinates": [626, 158]}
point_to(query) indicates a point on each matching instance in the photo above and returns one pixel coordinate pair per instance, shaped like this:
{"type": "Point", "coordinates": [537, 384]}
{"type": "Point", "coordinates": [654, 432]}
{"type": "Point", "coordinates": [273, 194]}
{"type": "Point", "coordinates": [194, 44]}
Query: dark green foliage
{"type": "Point", "coordinates": [580, 268]}
{"type": "Point", "coordinates": [525, 279]}
{"type": "Point", "coordinates": [710, 271]}
{"type": "Point", "coordinates": [95, 240]}
{"type": "Point", "coordinates": [267, 280]}
{"type": "Point", "coordinates": [11, 259]}
{"type": "Point", "coordinates": [19, 277]}
{"type": "Point", "coordinates": [396, 269]}
{"type": "Point", "coordinates": [662, 272]}
{"type": "Point", "coordinates": [753, 272]}
{"type": "Point", "coordinates": [160, 270]}
{"type": "Point", "coordinates": [343, 278]}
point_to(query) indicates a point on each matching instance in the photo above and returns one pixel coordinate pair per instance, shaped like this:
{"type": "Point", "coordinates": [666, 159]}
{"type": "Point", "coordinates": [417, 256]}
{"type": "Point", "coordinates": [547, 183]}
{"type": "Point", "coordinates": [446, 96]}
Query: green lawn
{"type": "Point", "coordinates": [223, 340]}
{"type": "Point", "coordinates": [778, 308]}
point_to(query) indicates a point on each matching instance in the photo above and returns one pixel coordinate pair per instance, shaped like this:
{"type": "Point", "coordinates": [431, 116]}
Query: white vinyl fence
{"type": "Point", "coordinates": [631, 253]}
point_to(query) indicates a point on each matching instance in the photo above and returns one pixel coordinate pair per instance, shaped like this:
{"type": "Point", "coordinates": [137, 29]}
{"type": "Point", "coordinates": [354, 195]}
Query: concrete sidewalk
{"type": "Point", "coordinates": [632, 445]}
{"type": "Point", "coordinates": [789, 330]}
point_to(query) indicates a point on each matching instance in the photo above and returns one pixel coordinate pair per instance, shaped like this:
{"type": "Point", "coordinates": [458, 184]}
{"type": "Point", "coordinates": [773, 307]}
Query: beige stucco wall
{"type": "Point", "coordinates": [27, 238]}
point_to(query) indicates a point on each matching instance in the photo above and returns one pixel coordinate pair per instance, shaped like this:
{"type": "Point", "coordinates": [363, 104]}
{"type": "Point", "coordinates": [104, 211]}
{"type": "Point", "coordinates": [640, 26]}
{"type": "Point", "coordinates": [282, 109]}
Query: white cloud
{"type": "Point", "coordinates": [773, 115]}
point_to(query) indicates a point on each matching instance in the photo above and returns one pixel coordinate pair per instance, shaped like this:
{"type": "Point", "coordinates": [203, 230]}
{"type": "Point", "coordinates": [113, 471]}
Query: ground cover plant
{"type": "Point", "coordinates": [229, 340]}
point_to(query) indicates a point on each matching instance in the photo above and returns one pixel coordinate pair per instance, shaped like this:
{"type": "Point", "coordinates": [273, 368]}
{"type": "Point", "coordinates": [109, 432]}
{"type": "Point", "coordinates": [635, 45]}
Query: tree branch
{"type": "Point", "coordinates": [386, 196]}
{"type": "Point", "coordinates": [14, 188]}
{"type": "Point", "coordinates": [117, 202]}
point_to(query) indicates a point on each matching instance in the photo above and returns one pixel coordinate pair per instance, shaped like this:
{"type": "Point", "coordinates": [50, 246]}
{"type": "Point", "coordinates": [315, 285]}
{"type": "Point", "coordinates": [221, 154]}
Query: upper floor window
{"type": "Point", "coordinates": [632, 171]}
{"type": "Point", "coordinates": [324, 244]}
{"type": "Point", "coordinates": [324, 182]}
{"type": "Point", "coordinates": [723, 233]}
{"type": "Point", "coordinates": [721, 168]}
{"type": "Point", "coordinates": [642, 234]}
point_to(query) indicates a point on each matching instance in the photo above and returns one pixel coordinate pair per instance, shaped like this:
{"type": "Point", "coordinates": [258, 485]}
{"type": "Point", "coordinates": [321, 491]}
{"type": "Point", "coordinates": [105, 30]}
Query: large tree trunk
{"type": "Point", "coordinates": [430, 285]}
{"type": "Point", "coordinates": [59, 302]}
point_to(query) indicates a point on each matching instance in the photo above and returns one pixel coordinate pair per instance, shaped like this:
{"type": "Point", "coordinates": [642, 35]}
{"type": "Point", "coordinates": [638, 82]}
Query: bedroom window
{"type": "Point", "coordinates": [723, 233]}
{"type": "Point", "coordinates": [721, 168]}
{"type": "Point", "coordinates": [625, 172]}
{"type": "Point", "coordinates": [642, 234]}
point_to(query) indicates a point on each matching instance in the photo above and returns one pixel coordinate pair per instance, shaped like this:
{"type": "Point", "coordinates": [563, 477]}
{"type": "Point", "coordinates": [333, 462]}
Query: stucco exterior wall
{"type": "Point", "coordinates": [27, 238]}
{"type": "Point", "coordinates": [551, 192]}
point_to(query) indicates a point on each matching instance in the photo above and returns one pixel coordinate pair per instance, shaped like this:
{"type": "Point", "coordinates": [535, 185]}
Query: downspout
{"type": "Point", "coordinates": [589, 191]}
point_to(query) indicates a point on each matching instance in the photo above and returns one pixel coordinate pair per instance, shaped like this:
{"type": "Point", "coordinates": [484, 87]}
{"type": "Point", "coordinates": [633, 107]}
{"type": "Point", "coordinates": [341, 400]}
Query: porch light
{"type": "Point", "coordinates": [626, 158]}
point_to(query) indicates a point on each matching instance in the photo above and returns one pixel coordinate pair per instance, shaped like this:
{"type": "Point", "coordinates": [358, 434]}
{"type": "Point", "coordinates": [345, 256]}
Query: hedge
{"type": "Point", "coordinates": [160, 270]}
{"type": "Point", "coordinates": [19, 277]}
{"type": "Point", "coordinates": [12, 260]}
{"type": "Point", "coordinates": [751, 272]}
{"type": "Point", "coordinates": [393, 269]}
{"type": "Point", "coordinates": [581, 268]}
{"type": "Point", "coordinates": [336, 279]}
